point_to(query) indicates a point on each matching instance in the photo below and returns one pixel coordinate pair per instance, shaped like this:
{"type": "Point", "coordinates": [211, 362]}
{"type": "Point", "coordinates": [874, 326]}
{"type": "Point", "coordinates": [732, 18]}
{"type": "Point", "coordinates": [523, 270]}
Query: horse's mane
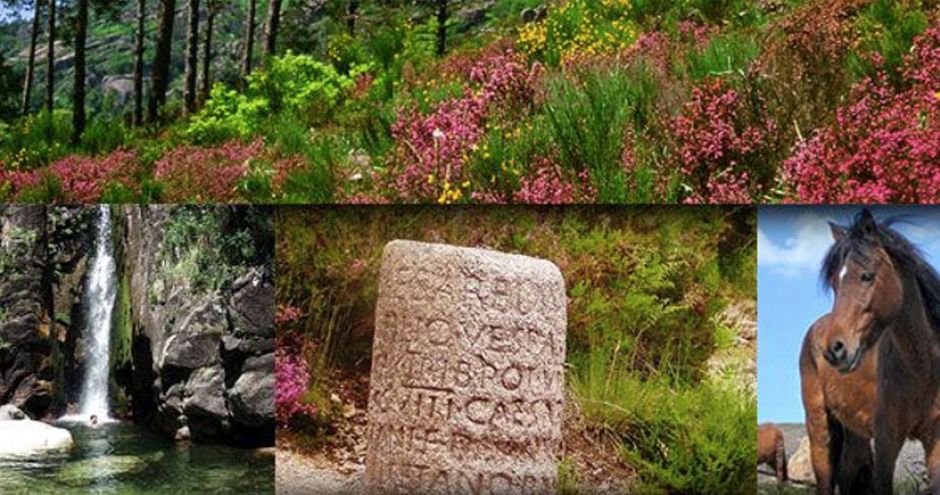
{"type": "Point", "coordinates": [858, 240]}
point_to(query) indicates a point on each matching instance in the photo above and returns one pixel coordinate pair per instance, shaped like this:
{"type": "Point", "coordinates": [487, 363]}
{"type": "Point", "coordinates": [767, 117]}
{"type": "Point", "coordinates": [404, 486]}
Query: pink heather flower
{"type": "Point", "coordinates": [715, 146]}
{"type": "Point", "coordinates": [433, 149]}
{"type": "Point", "coordinates": [287, 314]}
{"type": "Point", "coordinates": [885, 144]}
{"type": "Point", "coordinates": [545, 186]}
{"type": "Point", "coordinates": [293, 379]}
{"type": "Point", "coordinates": [206, 174]}
{"type": "Point", "coordinates": [83, 179]}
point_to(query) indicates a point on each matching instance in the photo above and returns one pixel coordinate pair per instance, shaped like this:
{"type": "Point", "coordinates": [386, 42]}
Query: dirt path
{"type": "Point", "coordinates": [300, 475]}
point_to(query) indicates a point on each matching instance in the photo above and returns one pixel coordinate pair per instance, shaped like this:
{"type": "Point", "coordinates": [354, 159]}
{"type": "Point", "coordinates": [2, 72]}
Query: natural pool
{"type": "Point", "coordinates": [123, 458]}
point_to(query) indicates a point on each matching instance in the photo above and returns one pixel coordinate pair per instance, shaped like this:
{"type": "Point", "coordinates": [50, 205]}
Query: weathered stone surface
{"type": "Point", "coordinates": [799, 466]}
{"type": "Point", "coordinates": [467, 383]}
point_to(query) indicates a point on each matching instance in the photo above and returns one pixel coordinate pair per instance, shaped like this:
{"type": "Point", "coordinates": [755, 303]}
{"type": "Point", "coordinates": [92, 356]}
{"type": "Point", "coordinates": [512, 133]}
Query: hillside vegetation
{"type": "Point", "coordinates": [505, 101]}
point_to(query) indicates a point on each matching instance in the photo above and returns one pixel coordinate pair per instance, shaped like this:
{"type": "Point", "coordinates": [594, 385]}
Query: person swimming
{"type": "Point", "coordinates": [93, 421]}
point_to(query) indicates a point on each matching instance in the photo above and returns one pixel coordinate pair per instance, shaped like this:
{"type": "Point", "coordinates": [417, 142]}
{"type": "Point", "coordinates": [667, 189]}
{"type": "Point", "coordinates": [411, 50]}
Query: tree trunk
{"type": "Point", "coordinates": [441, 27]}
{"type": "Point", "coordinates": [78, 96]}
{"type": "Point", "coordinates": [192, 57]}
{"type": "Point", "coordinates": [50, 61]}
{"type": "Point", "coordinates": [31, 61]}
{"type": "Point", "coordinates": [139, 63]}
{"type": "Point", "coordinates": [249, 41]}
{"type": "Point", "coordinates": [352, 10]}
{"type": "Point", "coordinates": [160, 73]}
{"type": "Point", "coordinates": [207, 54]}
{"type": "Point", "coordinates": [271, 27]}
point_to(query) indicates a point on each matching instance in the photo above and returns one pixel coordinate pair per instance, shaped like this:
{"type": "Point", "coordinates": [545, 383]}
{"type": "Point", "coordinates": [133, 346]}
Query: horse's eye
{"type": "Point", "coordinates": [868, 277]}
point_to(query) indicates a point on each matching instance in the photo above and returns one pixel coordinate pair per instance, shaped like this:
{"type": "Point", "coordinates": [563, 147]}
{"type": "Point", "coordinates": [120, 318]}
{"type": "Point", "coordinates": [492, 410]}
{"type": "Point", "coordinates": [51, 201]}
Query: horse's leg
{"type": "Point", "coordinates": [932, 449]}
{"type": "Point", "coordinates": [855, 473]}
{"type": "Point", "coordinates": [780, 456]}
{"type": "Point", "coordinates": [818, 430]}
{"type": "Point", "coordinates": [888, 443]}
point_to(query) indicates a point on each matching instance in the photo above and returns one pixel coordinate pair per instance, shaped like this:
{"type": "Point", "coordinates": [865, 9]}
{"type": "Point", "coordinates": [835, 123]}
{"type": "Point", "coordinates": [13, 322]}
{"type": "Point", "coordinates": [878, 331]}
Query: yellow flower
{"type": "Point", "coordinates": [937, 95]}
{"type": "Point", "coordinates": [431, 179]}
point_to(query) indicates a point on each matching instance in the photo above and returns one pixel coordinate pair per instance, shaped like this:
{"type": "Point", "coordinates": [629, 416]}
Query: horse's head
{"type": "Point", "coordinates": [868, 290]}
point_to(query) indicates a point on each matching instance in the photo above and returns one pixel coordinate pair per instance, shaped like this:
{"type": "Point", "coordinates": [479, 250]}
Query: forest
{"type": "Point", "coordinates": [470, 101]}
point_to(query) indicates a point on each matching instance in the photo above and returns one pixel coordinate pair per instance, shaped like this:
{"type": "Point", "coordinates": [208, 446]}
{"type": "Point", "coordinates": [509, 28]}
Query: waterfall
{"type": "Point", "coordinates": [99, 303]}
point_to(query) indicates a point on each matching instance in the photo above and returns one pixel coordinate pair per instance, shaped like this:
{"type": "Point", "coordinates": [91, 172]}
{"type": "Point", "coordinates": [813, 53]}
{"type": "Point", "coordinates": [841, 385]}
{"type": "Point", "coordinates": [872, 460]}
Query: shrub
{"type": "Point", "coordinates": [227, 115]}
{"type": "Point", "coordinates": [722, 155]}
{"type": "Point", "coordinates": [432, 150]}
{"type": "Point", "coordinates": [588, 116]}
{"type": "Point", "coordinates": [84, 179]}
{"type": "Point", "coordinates": [206, 174]}
{"type": "Point", "coordinates": [292, 376]}
{"type": "Point", "coordinates": [297, 85]}
{"type": "Point", "coordinates": [884, 146]}
{"type": "Point", "coordinates": [579, 28]}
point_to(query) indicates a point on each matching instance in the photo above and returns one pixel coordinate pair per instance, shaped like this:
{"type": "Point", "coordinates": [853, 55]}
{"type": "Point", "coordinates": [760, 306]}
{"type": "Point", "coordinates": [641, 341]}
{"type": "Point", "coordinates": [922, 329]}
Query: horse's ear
{"type": "Point", "coordinates": [838, 231]}
{"type": "Point", "coordinates": [866, 223]}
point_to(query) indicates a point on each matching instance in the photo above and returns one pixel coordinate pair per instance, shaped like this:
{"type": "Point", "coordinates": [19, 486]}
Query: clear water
{"type": "Point", "coordinates": [122, 458]}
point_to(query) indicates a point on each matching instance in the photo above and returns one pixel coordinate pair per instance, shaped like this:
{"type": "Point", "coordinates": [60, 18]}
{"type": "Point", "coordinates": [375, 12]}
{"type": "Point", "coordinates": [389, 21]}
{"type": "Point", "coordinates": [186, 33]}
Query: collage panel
{"type": "Point", "coordinates": [516, 350]}
{"type": "Point", "coordinates": [847, 303]}
{"type": "Point", "coordinates": [136, 349]}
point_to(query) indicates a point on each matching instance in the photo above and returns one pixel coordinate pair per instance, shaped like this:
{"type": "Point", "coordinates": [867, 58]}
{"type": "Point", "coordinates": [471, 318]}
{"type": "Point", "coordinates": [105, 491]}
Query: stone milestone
{"type": "Point", "coordinates": [467, 383]}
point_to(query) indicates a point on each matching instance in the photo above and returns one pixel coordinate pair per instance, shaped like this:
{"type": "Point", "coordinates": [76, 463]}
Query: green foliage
{"type": "Point", "coordinates": [683, 439]}
{"type": "Point", "coordinates": [725, 55]}
{"type": "Point", "coordinates": [27, 145]}
{"type": "Point", "coordinates": [887, 28]}
{"type": "Point", "coordinates": [227, 115]}
{"type": "Point", "coordinates": [296, 86]}
{"type": "Point", "coordinates": [588, 117]}
{"type": "Point", "coordinates": [207, 247]}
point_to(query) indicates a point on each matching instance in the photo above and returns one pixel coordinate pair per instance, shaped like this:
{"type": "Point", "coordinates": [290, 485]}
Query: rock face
{"type": "Point", "coordinates": [467, 372]}
{"type": "Point", "coordinates": [203, 353]}
{"type": "Point", "coordinates": [26, 365]}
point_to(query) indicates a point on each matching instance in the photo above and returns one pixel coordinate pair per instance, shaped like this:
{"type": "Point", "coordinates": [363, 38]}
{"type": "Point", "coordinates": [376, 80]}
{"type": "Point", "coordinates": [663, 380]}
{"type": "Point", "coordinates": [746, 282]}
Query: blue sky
{"type": "Point", "coordinates": [791, 242]}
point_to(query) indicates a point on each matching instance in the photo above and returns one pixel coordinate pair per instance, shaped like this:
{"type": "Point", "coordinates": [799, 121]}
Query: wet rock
{"type": "Point", "coordinates": [205, 395]}
{"type": "Point", "coordinates": [28, 437]}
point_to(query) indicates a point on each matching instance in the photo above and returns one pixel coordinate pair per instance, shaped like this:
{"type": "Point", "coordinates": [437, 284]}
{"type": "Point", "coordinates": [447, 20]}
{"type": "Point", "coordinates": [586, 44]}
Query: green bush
{"type": "Point", "coordinates": [588, 117]}
{"type": "Point", "coordinates": [292, 85]}
{"type": "Point", "coordinates": [683, 439]}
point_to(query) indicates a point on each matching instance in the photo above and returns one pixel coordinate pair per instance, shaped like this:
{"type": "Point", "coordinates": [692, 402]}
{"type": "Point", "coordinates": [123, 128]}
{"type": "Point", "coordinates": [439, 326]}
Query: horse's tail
{"type": "Point", "coordinates": [780, 449]}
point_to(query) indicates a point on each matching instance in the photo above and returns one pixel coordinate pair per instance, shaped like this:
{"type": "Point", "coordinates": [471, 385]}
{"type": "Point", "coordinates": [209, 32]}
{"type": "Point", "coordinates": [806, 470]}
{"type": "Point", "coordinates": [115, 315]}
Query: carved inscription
{"type": "Point", "coordinates": [467, 380]}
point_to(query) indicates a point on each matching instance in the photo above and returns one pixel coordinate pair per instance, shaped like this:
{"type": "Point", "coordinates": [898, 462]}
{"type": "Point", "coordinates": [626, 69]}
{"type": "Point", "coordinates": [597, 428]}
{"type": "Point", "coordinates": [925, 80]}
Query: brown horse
{"type": "Point", "coordinates": [771, 449]}
{"type": "Point", "coordinates": [839, 412]}
{"type": "Point", "coordinates": [887, 305]}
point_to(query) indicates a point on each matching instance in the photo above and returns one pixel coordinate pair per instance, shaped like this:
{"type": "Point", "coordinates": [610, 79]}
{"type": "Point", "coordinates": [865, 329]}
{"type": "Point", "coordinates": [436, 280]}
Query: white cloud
{"type": "Point", "coordinates": [809, 238]}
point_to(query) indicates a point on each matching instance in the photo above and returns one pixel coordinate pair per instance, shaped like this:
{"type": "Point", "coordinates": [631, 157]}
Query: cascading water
{"type": "Point", "coordinates": [99, 303]}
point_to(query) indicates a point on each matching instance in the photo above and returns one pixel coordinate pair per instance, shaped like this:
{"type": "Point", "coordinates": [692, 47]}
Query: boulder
{"type": "Point", "coordinates": [251, 399]}
{"type": "Point", "coordinates": [10, 412]}
{"type": "Point", "coordinates": [799, 466]}
{"type": "Point", "coordinates": [206, 394]}
{"type": "Point", "coordinates": [252, 304]}
{"type": "Point", "coordinates": [27, 437]}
